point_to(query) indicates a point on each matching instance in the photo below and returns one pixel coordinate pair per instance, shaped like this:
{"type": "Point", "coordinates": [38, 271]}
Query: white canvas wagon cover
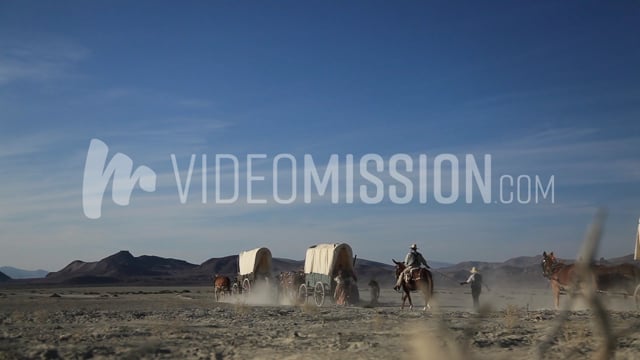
{"type": "Point", "coordinates": [255, 261]}
{"type": "Point", "coordinates": [326, 258]}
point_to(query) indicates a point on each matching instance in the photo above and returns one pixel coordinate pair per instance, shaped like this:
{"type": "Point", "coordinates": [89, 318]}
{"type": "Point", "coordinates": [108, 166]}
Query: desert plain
{"type": "Point", "coordinates": [187, 323]}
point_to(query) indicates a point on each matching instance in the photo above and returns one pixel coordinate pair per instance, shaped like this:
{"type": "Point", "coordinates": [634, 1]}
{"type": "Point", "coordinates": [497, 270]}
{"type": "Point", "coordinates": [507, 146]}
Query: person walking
{"type": "Point", "coordinates": [475, 279]}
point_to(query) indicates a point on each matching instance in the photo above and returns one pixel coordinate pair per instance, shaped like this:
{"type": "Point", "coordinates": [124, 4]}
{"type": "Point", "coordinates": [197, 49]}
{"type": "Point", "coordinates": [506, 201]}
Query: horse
{"type": "Point", "coordinates": [346, 289]}
{"type": "Point", "coordinates": [622, 277]}
{"type": "Point", "coordinates": [289, 282]}
{"type": "Point", "coordinates": [221, 286]}
{"type": "Point", "coordinates": [560, 275]}
{"type": "Point", "coordinates": [421, 279]}
{"type": "Point", "coordinates": [604, 278]}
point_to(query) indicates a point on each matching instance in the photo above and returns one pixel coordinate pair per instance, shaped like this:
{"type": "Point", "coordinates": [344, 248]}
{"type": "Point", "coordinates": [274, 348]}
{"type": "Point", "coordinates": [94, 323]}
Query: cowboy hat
{"type": "Point", "coordinates": [474, 270]}
{"type": "Point", "coordinates": [414, 246]}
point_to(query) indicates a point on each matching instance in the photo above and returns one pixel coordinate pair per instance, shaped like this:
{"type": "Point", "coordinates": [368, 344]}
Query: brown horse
{"type": "Point", "coordinates": [560, 275]}
{"type": "Point", "coordinates": [421, 280]}
{"type": "Point", "coordinates": [604, 278]}
{"type": "Point", "coordinates": [221, 286]}
{"type": "Point", "coordinates": [622, 277]}
{"type": "Point", "coordinates": [288, 284]}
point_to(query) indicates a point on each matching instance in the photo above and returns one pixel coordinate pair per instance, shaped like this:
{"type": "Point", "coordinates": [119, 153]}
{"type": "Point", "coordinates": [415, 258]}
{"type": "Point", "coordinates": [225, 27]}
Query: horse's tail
{"type": "Point", "coordinates": [426, 274]}
{"type": "Point", "coordinates": [431, 282]}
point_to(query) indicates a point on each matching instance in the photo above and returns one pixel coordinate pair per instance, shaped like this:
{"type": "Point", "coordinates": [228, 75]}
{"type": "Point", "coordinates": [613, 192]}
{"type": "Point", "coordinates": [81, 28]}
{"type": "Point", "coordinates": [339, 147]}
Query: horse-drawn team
{"type": "Point", "coordinates": [329, 273]}
{"type": "Point", "coordinates": [254, 271]}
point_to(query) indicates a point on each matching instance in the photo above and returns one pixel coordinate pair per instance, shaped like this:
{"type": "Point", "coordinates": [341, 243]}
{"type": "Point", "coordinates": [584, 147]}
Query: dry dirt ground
{"type": "Point", "coordinates": [186, 323]}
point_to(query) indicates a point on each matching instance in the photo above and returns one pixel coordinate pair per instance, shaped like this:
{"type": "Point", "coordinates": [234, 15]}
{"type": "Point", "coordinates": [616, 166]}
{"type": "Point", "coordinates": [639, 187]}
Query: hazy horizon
{"type": "Point", "coordinates": [430, 261]}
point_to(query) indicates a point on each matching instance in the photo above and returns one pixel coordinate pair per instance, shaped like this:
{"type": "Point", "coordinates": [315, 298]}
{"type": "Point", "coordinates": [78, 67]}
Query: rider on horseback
{"type": "Point", "coordinates": [412, 261]}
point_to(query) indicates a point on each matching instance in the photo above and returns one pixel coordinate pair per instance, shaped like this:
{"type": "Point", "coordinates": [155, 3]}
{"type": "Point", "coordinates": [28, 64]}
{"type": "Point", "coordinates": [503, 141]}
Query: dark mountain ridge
{"type": "Point", "coordinates": [119, 267]}
{"type": "Point", "coordinates": [124, 268]}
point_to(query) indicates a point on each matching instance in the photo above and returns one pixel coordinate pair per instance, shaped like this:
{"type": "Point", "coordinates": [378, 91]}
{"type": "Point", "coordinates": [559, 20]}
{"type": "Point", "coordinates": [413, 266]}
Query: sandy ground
{"type": "Point", "coordinates": [186, 323]}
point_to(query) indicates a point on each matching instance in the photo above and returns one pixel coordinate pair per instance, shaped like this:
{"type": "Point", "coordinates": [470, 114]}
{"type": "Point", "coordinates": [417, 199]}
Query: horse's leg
{"type": "Point", "coordinates": [427, 295]}
{"type": "Point", "coordinates": [430, 290]}
{"type": "Point", "coordinates": [420, 287]}
{"type": "Point", "coordinates": [409, 297]}
{"type": "Point", "coordinates": [556, 294]}
{"type": "Point", "coordinates": [404, 298]}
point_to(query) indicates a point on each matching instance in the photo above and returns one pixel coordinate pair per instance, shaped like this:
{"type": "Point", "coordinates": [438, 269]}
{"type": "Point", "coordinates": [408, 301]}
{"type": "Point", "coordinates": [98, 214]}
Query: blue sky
{"type": "Point", "coordinates": [545, 88]}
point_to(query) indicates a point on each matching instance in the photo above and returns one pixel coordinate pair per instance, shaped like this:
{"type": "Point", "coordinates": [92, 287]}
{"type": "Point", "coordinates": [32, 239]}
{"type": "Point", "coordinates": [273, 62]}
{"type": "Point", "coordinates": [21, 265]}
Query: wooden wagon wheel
{"type": "Point", "coordinates": [235, 289]}
{"type": "Point", "coordinates": [302, 293]}
{"type": "Point", "coordinates": [319, 293]}
{"type": "Point", "coordinates": [636, 296]}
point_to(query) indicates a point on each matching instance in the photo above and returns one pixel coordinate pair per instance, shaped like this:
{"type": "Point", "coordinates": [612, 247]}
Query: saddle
{"type": "Point", "coordinates": [414, 275]}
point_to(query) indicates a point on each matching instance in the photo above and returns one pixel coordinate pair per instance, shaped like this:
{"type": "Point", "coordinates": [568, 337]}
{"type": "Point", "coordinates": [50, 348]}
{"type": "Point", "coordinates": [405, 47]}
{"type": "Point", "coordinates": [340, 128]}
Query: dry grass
{"type": "Point", "coordinates": [564, 338]}
{"type": "Point", "coordinates": [241, 308]}
{"type": "Point", "coordinates": [309, 308]}
{"type": "Point", "coordinates": [377, 322]}
{"type": "Point", "coordinates": [431, 346]}
{"type": "Point", "coordinates": [600, 317]}
{"type": "Point", "coordinates": [512, 315]}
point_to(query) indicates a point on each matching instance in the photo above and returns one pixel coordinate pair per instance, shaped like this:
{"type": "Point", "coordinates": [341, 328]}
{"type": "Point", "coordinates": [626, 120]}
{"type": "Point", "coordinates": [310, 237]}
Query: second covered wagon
{"type": "Point", "coordinates": [323, 265]}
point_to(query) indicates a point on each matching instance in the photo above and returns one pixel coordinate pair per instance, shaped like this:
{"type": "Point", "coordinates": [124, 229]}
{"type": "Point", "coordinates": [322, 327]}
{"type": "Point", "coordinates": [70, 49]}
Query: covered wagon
{"type": "Point", "coordinates": [322, 265]}
{"type": "Point", "coordinates": [254, 266]}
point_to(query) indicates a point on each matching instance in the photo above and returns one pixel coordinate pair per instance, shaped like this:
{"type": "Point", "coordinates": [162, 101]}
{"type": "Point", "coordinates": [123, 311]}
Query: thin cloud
{"type": "Point", "coordinates": [30, 144]}
{"type": "Point", "coordinates": [39, 60]}
{"type": "Point", "coordinates": [195, 103]}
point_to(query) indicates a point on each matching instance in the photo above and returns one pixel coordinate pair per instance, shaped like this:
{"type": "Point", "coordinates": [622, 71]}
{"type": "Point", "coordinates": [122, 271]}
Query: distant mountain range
{"type": "Point", "coordinates": [123, 268]}
{"type": "Point", "coordinates": [4, 277]}
{"type": "Point", "coordinates": [518, 271]}
{"type": "Point", "coordinates": [16, 273]}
